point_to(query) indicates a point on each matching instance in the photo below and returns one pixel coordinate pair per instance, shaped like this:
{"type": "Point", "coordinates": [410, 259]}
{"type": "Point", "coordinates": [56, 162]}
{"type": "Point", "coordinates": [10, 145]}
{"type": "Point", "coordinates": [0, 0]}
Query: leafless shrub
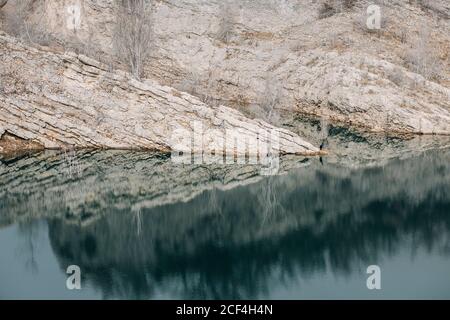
{"type": "Point", "coordinates": [137, 218]}
{"type": "Point", "coordinates": [422, 57]}
{"type": "Point", "coordinates": [20, 24]}
{"type": "Point", "coordinates": [227, 22]}
{"type": "Point", "coordinates": [190, 83]}
{"type": "Point", "coordinates": [88, 47]}
{"type": "Point", "coordinates": [329, 8]}
{"type": "Point", "coordinates": [271, 99]}
{"type": "Point", "coordinates": [435, 7]}
{"type": "Point", "coordinates": [396, 76]}
{"type": "Point", "coordinates": [349, 4]}
{"type": "Point", "coordinates": [269, 198]}
{"type": "Point", "coordinates": [133, 33]}
{"type": "Point", "coordinates": [199, 86]}
{"type": "Point", "coordinates": [71, 165]}
{"type": "Point", "coordinates": [336, 41]}
{"type": "Point", "coordinates": [17, 23]}
{"type": "Point", "coordinates": [193, 83]}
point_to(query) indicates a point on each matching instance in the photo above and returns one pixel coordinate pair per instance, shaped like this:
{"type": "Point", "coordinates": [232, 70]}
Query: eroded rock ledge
{"type": "Point", "coordinates": [69, 100]}
{"type": "Point", "coordinates": [329, 66]}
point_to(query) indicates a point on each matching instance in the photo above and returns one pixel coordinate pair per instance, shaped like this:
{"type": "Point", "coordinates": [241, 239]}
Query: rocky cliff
{"type": "Point", "coordinates": [316, 57]}
{"type": "Point", "coordinates": [69, 100]}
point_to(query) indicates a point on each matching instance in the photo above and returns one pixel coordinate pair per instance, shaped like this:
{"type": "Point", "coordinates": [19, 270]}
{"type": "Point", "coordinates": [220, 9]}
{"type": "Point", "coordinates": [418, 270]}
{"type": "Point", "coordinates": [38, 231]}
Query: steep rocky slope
{"type": "Point", "coordinates": [68, 100]}
{"type": "Point", "coordinates": [296, 55]}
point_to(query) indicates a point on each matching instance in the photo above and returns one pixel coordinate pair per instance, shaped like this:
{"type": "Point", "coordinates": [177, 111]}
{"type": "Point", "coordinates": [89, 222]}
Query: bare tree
{"type": "Point", "coordinates": [271, 98]}
{"type": "Point", "coordinates": [227, 22]}
{"type": "Point", "coordinates": [24, 22]}
{"type": "Point", "coordinates": [17, 22]}
{"type": "Point", "coordinates": [133, 33]}
{"type": "Point", "coordinates": [423, 57]}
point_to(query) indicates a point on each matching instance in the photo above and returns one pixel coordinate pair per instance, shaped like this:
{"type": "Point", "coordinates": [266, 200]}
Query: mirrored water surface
{"type": "Point", "coordinates": [141, 227]}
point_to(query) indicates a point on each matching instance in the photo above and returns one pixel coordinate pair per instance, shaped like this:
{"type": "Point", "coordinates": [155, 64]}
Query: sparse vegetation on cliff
{"type": "Point", "coordinates": [20, 25]}
{"type": "Point", "coordinates": [133, 33]}
{"type": "Point", "coordinates": [329, 8]}
{"type": "Point", "coordinates": [422, 58]}
{"type": "Point", "coordinates": [227, 22]}
{"type": "Point", "coordinates": [336, 68]}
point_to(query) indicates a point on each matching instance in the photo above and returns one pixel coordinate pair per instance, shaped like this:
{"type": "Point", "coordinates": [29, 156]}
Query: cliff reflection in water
{"type": "Point", "coordinates": [235, 243]}
{"type": "Point", "coordinates": [138, 226]}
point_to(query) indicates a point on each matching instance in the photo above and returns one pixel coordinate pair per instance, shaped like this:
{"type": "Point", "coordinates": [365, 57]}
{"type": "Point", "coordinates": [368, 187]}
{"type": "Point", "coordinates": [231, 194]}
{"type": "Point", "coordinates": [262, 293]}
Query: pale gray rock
{"type": "Point", "coordinates": [333, 68]}
{"type": "Point", "coordinates": [73, 101]}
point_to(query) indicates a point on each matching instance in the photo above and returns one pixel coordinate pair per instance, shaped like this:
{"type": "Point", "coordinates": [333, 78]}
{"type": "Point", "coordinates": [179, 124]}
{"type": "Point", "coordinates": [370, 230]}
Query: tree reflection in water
{"type": "Point", "coordinates": [235, 243]}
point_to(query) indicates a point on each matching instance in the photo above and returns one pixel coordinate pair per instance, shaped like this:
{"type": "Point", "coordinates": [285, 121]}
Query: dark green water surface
{"type": "Point", "coordinates": [140, 226]}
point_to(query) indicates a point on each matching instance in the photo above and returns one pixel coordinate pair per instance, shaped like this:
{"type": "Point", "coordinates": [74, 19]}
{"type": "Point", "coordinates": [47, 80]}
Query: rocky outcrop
{"type": "Point", "coordinates": [322, 63]}
{"type": "Point", "coordinates": [13, 145]}
{"type": "Point", "coordinates": [72, 101]}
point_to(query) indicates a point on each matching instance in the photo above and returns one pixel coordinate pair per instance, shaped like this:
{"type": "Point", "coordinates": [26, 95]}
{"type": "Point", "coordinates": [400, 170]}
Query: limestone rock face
{"type": "Point", "coordinates": [331, 66]}
{"type": "Point", "coordinates": [69, 100]}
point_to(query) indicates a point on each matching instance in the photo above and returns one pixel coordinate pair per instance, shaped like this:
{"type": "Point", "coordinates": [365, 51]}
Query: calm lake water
{"type": "Point", "coordinates": [140, 226]}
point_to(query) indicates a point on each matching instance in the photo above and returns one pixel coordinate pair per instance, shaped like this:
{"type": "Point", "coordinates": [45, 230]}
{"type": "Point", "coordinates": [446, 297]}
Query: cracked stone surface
{"type": "Point", "coordinates": [72, 101]}
{"type": "Point", "coordinates": [332, 67]}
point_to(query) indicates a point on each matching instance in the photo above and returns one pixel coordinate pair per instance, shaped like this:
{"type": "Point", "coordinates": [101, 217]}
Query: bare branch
{"type": "Point", "coordinates": [227, 22]}
{"type": "Point", "coordinates": [133, 33]}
